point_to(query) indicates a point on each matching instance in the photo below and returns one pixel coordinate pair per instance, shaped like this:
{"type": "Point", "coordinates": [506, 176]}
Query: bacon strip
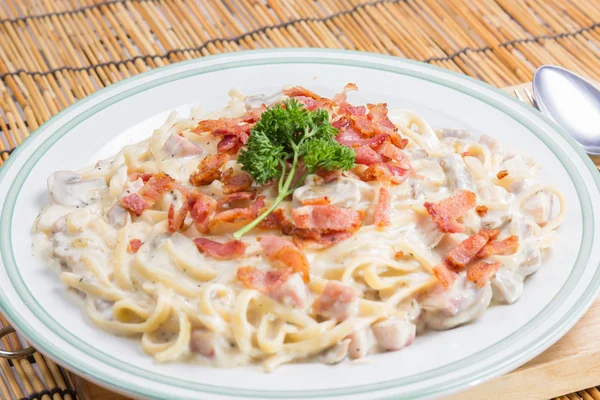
{"type": "Point", "coordinates": [327, 218]}
{"type": "Point", "coordinates": [208, 169]}
{"type": "Point", "coordinates": [176, 219]}
{"type": "Point", "coordinates": [385, 173]}
{"type": "Point", "coordinates": [444, 274]}
{"type": "Point", "coordinates": [501, 247]}
{"type": "Point", "coordinates": [201, 208]}
{"type": "Point", "coordinates": [317, 201]}
{"type": "Point", "coordinates": [460, 256]}
{"type": "Point", "coordinates": [221, 251]}
{"type": "Point", "coordinates": [231, 198]}
{"type": "Point", "coordinates": [387, 149]}
{"type": "Point", "coordinates": [152, 190]}
{"type": "Point", "coordinates": [134, 176]}
{"type": "Point", "coordinates": [229, 144]}
{"type": "Point", "coordinates": [311, 100]}
{"type": "Point", "coordinates": [264, 282]}
{"type": "Point", "coordinates": [481, 272]}
{"type": "Point", "coordinates": [134, 245]}
{"type": "Point", "coordinates": [277, 220]}
{"type": "Point", "coordinates": [239, 127]}
{"type": "Point", "coordinates": [284, 252]}
{"type": "Point", "coordinates": [382, 208]}
{"type": "Point", "coordinates": [328, 176]}
{"type": "Point", "coordinates": [446, 212]}
{"type": "Point", "coordinates": [235, 182]}
{"type": "Point", "coordinates": [237, 214]}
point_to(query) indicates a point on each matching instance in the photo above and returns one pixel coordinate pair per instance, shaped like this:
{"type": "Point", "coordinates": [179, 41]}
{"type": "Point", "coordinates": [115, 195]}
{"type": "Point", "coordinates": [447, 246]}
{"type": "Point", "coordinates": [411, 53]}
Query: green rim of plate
{"type": "Point", "coordinates": [509, 360]}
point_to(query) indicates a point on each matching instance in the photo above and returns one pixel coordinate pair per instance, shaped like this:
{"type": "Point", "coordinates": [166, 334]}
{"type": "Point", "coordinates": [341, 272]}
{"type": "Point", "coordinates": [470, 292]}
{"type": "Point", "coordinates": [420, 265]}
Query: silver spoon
{"type": "Point", "coordinates": [572, 102]}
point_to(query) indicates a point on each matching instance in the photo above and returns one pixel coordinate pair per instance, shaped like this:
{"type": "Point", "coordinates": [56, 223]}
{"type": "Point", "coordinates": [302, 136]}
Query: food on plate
{"type": "Point", "coordinates": [295, 227]}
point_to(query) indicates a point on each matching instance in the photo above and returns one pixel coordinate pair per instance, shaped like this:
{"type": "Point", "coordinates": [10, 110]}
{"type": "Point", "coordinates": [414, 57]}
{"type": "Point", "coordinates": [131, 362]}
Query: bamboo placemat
{"type": "Point", "coordinates": [54, 52]}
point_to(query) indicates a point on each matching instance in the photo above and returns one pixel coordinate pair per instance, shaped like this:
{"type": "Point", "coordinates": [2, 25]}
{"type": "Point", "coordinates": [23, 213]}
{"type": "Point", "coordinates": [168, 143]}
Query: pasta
{"type": "Point", "coordinates": [425, 231]}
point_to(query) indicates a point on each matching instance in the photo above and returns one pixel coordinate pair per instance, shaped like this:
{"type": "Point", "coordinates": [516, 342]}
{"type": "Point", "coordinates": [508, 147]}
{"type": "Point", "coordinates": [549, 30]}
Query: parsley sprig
{"type": "Point", "coordinates": [288, 133]}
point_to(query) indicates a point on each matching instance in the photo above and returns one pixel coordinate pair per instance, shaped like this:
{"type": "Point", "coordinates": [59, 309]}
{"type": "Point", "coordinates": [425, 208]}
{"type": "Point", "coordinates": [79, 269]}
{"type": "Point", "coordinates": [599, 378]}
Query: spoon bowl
{"type": "Point", "coordinates": [572, 102]}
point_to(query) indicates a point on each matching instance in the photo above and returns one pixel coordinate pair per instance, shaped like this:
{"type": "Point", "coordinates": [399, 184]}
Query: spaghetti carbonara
{"type": "Point", "coordinates": [425, 231]}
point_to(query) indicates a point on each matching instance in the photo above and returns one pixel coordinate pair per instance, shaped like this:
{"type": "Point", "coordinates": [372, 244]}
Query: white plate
{"type": "Point", "coordinates": [438, 363]}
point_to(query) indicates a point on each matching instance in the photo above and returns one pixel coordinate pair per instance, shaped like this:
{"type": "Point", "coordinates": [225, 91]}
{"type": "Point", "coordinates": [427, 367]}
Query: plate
{"type": "Point", "coordinates": [439, 363]}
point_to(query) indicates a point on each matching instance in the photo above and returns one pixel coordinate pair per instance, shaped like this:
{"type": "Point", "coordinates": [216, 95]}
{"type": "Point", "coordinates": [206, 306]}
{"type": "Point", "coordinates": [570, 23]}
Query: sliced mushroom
{"type": "Point", "coordinates": [117, 216]}
{"type": "Point", "coordinates": [68, 188]}
{"type": "Point", "coordinates": [258, 100]}
{"type": "Point", "coordinates": [179, 146]}
{"type": "Point", "coordinates": [344, 192]}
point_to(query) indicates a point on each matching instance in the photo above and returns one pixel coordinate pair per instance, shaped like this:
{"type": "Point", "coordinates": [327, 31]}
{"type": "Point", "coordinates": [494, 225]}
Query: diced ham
{"type": "Point", "coordinates": [233, 182]}
{"type": "Point", "coordinates": [327, 218]}
{"type": "Point", "coordinates": [238, 214]}
{"type": "Point", "coordinates": [204, 342]}
{"type": "Point", "coordinates": [460, 256]}
{"type": "Point", "coordinates": [201, 209]}
{"type": "Point", "coordinates": [284, 252]}
{"type": "Point", "coordinates": [502, 247]}
{"type": "Point", "coordinates": [208, 169]}
{"type": "Point", "coordinates": [337, 301]}
{"type": "Point", "coordinates": [176, 219]}
{"type": "Point", "coordinates": [382, 208]}
{"type": "Point", "coordinates": [481, 272]}
{"type": "Point", "coordinates": [446, 212]}
{"type": "Point", "coordinates": [292, 291]}
{"type": "Point", "coordinates": [394, 334]}
{"type": "Point", "coordinates": [179, 146]}
{"type": "Point", "coordinates": [229, 144]}
{"type": "Point", "coordinates": [152, 190]}
{"type": "Point", "coordinates": [385, 173]}
{"type": "Point", "coordinates": [134, 245]}
{"type": "Point", "coordinates": [264, 282]}
{"type": "Point", "coordinates": [221, 251]}
{"type": "Point", "coordinates": [239, 127]}
{"type": "Point", "coordinates": [444, 274]}
{"type": "Point", "coordinates": [361, 342]}
{"type": "Point", "coordinates": [232, 198]}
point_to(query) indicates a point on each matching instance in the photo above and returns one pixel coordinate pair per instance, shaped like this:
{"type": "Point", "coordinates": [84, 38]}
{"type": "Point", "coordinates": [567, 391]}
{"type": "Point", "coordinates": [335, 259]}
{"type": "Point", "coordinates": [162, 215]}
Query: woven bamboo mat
{"type": "Point", "coordinates": [54, 52]}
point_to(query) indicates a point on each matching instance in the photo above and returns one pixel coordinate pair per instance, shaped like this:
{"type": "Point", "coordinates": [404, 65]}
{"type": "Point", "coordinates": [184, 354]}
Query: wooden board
{"type": "Point", "coordinates": [571, 365]}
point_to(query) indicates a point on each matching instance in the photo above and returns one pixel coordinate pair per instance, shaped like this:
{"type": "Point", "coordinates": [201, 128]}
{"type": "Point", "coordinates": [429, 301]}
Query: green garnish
{"type": "Point", "coordinates": [289, 132]}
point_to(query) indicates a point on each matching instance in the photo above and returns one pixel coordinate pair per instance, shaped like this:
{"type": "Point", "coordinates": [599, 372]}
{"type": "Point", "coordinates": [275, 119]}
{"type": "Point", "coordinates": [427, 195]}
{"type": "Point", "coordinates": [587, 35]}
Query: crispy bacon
{"type": "Point", "coordinates": [229, 144]}
{"type": "Point", "coordinates": [481, 272]}
{"type": "Point", "coordinates": [386, 173]}
{"type": "Point", "coordinates": [328, 176]}
{"type": "Point", "coordinates": [176, 219]}
{"type": "Point", "coordinates": [387, 149]}
{"type": "Point", "coordinates": [340, 98]}
{"type": "Point", "coordinates": [398, 141]}
{"type": "Point", "coordinates": [239, 127]}
{"type": "Point", "coordinates": [311, 100]}
{"type": "Point", "coordinates": [152, 190]}
{"type": "Point", "coordinates": [235, 182]}
{"type": "Point", "coordinates": [382, 208]}
{"type": "Point", "coordinates": [367, 156]}
{"type": "Point", "coordinates": [446, 212]}
{"type": "Point", "coordinates": [221, 251]}
{"type": "Point", "coordinates": [502, 174]}
{"type": "Point", "coordinates": [350, 138]}
{"type": "Point", "coordinates": [134, 245]}
{"type": "Point", "coordinates": [481, 210]}
{"type": "Point", "coordinates": [502, 247]}
{"type": "Point", "coordinates": [317, 240]}
{"type": "Point", "coordinates": [327, 218]}
{"type": "Point", "coordinates": [337, 301]}
{"type": "Point", "coordinates": [201, 209]}
{"type": "Point", "coordinates": [460, 256]}
{"type": "Point", "coordinates": [276, 220]}
{"type": "Point", "coordinates": [237, 214]}
{"type": "Point", "coordinates": [444, 274]}
{"type": "Point", "coordinates": [231, 198]}
{"type": "Point", "coordinates": [284, 252]}
{"type": "Point", "coordinates": [208, 169]}
{"type": "Point", "coordinates": [264, 282]}
{"type": "Point", "coordinates": [317, 201]}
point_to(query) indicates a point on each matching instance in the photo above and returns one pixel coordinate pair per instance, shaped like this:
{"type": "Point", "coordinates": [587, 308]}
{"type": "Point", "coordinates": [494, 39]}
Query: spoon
{"type": "Point", "coordinates": [572, 102]}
